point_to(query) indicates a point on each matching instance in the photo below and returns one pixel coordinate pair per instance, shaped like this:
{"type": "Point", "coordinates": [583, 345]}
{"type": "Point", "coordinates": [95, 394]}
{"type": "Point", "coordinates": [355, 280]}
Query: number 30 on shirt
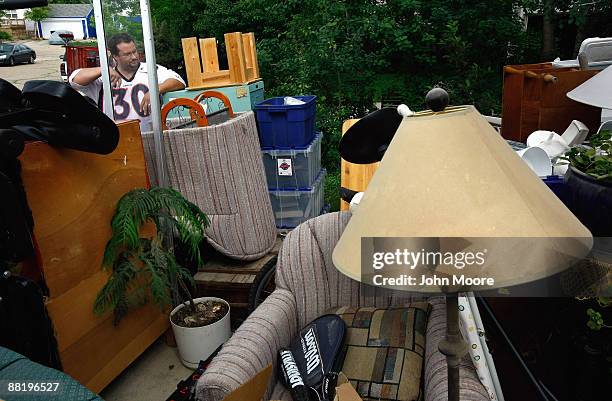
{"type": "Point", "coordinates": [127, 101]}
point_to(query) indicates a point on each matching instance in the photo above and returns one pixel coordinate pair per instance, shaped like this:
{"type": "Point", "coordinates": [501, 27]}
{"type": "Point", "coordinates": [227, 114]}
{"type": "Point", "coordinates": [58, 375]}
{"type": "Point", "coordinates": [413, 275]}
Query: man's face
{"type": "Point", "coordinates": [127, 56]}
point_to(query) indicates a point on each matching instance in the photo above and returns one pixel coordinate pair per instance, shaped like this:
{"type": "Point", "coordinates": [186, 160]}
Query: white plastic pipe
{"type": "Point", "coordinates": [149, 45]}
{"type": "Point", "coordinates": [485, 348]}
{"type": "Point", "coordinates": [106, 83]}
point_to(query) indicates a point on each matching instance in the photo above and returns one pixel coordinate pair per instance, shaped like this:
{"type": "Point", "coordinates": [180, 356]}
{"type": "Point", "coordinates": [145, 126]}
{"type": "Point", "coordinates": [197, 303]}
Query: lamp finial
{"type": "Point", "coordinates": [437, 99]}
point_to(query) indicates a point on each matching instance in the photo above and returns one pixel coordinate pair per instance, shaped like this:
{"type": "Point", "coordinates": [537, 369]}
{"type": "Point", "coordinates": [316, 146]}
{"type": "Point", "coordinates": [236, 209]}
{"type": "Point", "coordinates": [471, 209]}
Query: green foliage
{"type": "Point", "coordinates": [595, 161]}
{"type": "Point", "coordinates": [137, 264]}
{"type": "Point", "coordinates": [37, 14]}
{"type": "Point", "coordinates": [351, 54]}
{"type": "Point", "coordinates": [121, 16]}
{"type": "Point", "coordinates": [332, 190]}
{"type": "Point", "coordinates": [596, 321]}
{"type": "Point", "coordinates": [5, 36]}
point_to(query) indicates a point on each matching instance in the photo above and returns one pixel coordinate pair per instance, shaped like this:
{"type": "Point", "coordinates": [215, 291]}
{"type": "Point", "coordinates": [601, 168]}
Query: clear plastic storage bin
{"type": "Point", "coordinates": [292, 207]}
{"type": "Point", "coordinates": [293, 168]}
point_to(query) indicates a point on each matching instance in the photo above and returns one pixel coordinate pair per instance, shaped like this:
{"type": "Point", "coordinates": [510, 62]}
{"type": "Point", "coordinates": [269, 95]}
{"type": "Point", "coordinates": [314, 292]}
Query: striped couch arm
{"type": "Point", "coordinates": [252, 347]}
{"type": "Point", "coordinates": [436, 374]}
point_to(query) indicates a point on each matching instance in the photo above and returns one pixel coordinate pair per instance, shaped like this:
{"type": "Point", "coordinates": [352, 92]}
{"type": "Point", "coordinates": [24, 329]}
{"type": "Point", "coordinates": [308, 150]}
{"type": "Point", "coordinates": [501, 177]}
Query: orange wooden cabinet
{"type": "Point", "coordinates": [535, 98]}
{"type": "Point", "coordinates": [202, 61]}
{"type": "Point", "coordinates": [73, 196]}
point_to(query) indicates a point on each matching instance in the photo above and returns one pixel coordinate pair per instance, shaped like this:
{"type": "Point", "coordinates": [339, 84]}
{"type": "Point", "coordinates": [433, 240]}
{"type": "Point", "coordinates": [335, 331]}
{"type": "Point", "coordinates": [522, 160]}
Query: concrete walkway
{"type": "Point", "coordinates": [151, 377]}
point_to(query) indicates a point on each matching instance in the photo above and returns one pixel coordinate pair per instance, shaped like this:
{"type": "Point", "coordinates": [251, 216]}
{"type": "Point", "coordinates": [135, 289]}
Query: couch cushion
{"type": "Point", "coordinates": [385, 349]}
{"type": "Point", "coordinates": [17, 368]}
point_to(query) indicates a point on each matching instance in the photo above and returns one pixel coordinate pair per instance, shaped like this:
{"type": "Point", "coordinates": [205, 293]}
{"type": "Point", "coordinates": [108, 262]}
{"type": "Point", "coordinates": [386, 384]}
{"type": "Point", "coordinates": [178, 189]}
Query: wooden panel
{"type": "Point", "coordinates": [530, 118]}
{"type": "Point", "coordinates": [250, 55]}
{"type": "Point", "coordinates": [511, 111]}
{"type": "Point", "coordinates": [559, 118]}
{"type": "Point", "coordinates": [140, 341]}
{"type": "Point", "coordinates": [554, 94]}
{"type": "Point", "coordinates": [530, 103]}
{"type": "Point", "coordinates": [103, 354]}
{"type": "Point", "coordinates": [217, 75]}
{"type": "Point", "coordinates": [203, 65]}
{"type": "Point", "coordinates": [76, 305]}
{"type": "Point", "coordinates": [238, 279]}
{"type": "Point", "coordinates": [218, 83]}
{"type": "Point", "coordinates": [72, 225]}
{"type": "Point", "coordinates": [193, 65]}
{"type": "Point", "coordinates": [73, 215]}
{"type": "Point", "coordinates": [354, 176]}
{"type": "Point", "coordinates": [210, 58]}
{"type": "Point", "coordinates": [235, 57]}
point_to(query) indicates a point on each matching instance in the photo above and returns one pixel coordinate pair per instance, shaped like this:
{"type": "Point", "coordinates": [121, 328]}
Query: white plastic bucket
{"type": "Point", "coordinates": [537, 160]}
{"type": "Point", "coordinates": [198, 343]}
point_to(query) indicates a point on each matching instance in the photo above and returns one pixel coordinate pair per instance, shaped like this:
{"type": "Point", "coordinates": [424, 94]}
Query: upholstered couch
{"type": "Point", "coordinates": [308, 285]}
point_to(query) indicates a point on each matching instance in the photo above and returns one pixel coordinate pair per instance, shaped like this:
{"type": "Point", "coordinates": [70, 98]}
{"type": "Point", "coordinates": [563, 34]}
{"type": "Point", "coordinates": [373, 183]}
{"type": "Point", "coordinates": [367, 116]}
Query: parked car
{"type": "Point", "coordinates": [56, 39]}
{"type": "Point", "coordinates": [12, 53]}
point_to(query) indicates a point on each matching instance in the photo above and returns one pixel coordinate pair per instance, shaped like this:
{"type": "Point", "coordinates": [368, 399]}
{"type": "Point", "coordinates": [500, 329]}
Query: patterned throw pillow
{"type": "Point", "coordinates": [385, 349]}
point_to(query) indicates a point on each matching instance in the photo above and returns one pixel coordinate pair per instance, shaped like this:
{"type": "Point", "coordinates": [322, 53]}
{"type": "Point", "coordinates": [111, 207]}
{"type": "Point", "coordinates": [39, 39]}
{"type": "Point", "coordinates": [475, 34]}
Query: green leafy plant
{"type": "Point", "coordinates": [5, 36]}
{"type": "Point", "coordinates": [143, 268]}
{"type": "Point", "coordinates": [595, 160]}
{"type": "Point", "coordinates": [596, 320]}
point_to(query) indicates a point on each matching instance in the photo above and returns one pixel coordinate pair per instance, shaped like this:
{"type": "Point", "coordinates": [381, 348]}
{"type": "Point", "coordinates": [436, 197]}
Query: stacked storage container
{"type": "Point", "coordinates": [291, 152]}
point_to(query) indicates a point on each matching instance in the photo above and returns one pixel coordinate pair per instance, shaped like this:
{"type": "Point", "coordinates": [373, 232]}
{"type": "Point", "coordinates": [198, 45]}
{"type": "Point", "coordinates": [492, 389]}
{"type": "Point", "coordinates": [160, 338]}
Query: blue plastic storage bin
{"type": "Point", "coordinates": [284, 126]}
{"type": "Point", "coordinates": [558, 186]}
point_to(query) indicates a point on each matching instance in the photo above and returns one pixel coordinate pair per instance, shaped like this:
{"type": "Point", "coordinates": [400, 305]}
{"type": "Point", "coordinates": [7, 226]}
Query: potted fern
{"type": "Point", "coordinates": [143, 268]}
{"type": "Point", "coordinates": [589, 180]}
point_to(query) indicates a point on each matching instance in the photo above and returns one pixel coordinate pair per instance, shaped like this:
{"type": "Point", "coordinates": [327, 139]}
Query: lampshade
{"type": "Point", "coordinates": [596, 91]}
{"type": "Point", "coordinates": [449, 183]}
{"type": "Point", "coordinates": [370, 136]}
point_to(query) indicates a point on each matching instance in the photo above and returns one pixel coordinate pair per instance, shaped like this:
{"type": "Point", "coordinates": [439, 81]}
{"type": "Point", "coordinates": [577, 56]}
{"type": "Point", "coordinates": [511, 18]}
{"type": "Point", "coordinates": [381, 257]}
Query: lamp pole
{"type": "Point", "coordinates": [453, 346]}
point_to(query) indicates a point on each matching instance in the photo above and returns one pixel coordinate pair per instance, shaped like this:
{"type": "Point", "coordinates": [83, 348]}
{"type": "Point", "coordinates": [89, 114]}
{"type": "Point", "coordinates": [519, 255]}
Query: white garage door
{"type": "Point", "coordinates": [70, 24]}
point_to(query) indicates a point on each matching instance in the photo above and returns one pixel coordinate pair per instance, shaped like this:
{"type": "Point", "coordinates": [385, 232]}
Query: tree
{"type": "Point", "coordinates": [37, 14]}
{"type": "Point", "coordinates": [353, 53]}
{"type": "Point", "coordinates": [588, 18]}
{"type": "Point", "coordinates": [5, 36]}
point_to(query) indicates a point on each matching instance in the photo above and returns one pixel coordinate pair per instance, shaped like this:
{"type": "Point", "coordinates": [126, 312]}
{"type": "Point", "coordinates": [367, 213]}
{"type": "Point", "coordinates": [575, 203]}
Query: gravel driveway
{"type": "Point", "coordinates": [46, 65]}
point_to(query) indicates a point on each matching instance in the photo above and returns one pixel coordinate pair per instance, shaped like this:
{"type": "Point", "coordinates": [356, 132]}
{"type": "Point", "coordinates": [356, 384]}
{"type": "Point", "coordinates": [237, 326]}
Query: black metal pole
{"type": "Point", "coordinates": [453, 346]}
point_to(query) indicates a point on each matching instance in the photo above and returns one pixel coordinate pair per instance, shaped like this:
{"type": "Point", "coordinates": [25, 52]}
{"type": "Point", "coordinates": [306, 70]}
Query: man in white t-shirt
{"type": "Point", "coordinates": [129, 81]}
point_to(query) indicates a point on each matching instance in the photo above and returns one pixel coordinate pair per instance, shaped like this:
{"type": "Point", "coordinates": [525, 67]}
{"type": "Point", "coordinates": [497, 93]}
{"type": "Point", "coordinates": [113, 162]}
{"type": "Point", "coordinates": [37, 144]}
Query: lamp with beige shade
{"type": "Point", "coordinates": [449, 185]}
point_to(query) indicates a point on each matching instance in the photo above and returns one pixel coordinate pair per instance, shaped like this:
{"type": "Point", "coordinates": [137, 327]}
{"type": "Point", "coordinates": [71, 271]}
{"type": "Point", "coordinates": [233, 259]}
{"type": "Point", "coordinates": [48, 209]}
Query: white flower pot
{"type": "Point", "coordinates": [198, 343]}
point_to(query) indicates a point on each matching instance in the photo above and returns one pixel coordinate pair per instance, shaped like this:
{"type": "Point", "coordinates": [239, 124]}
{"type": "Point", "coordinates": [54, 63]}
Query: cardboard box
{"type": "Point", "coordinates": [255, 389]}
{"type": "Point", "coordinates": [345, 391]}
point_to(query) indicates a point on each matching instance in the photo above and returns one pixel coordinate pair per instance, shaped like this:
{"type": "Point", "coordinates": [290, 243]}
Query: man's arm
{"type": "Point", "coordinates": [171, 84]}
{"type": "Point", "coordinates": [85, 76]}
{"type": "Point", "coordinates": [171, 81]}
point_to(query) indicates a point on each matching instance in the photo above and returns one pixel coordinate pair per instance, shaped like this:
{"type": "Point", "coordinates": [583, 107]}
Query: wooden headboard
{"type": "Point", "coordinates": [73, 196]}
